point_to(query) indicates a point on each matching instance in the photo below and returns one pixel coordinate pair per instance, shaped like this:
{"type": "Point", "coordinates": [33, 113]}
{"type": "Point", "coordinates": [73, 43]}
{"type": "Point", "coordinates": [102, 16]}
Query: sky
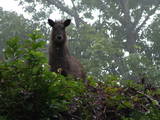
{"type": "Point", "coordinates": [12, 5]}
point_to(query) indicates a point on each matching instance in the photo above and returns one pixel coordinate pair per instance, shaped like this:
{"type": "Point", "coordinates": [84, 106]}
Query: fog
{"type": "Point", "coordinates": [102, 31]}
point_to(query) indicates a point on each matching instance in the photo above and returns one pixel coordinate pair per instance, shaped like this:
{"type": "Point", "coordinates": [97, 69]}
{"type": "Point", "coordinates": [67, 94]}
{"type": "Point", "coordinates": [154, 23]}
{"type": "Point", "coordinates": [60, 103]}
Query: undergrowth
{"type": "Point", "coordinates": [29, 91]}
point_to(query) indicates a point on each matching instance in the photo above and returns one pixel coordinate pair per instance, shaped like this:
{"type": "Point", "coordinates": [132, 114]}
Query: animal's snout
{"type": "Point", "coordinates": [59, 37]}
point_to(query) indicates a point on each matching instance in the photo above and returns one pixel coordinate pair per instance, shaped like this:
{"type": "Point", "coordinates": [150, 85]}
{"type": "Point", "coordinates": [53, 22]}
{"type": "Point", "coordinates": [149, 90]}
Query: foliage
{"type": "Point", "coordinates": [28, 90]}
{"type": "Point", "coordinates": [109, 36]}
{"type": "Point", "coordinates": [116, 40]}
{"type": "Point", "coordinates": [11, 25]}
{"type": "Point", "coordinates": [110, 101]}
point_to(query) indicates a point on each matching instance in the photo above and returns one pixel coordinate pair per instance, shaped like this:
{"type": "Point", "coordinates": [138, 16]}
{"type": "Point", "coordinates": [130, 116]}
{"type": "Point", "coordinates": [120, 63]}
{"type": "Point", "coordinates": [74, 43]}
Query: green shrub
{"type": "Point", "coordinates": [28, 90]}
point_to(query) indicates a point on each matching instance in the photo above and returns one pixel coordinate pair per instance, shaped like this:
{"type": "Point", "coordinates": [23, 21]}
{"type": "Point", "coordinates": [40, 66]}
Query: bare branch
{"type": "Point", "coordinates": [125, 9]}
{"type": "Point", "coordinates": [138, 17]}
{"type": "Point", "coordinates": [64, 8]}
{"type": "Point", "coordinates": [76, 14]}
{"type": "Point", "coordinates": [147, 18]}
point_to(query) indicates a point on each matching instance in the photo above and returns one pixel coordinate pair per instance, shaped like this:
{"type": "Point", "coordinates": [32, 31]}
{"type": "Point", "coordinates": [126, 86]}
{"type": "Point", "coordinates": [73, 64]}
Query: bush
{"type": "Point", "coordinates": [29, 91]}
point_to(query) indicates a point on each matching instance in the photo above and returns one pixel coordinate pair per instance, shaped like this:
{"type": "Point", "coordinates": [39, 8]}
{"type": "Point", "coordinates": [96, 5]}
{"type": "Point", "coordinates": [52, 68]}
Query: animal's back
{"type": "Point", "coordinates": [76, 69]}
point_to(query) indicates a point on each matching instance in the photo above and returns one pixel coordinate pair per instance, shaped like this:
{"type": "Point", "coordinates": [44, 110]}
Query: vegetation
{"type": "Point", "coordinates": [109, 36]}
{"type": "Point", "coordinates": [117, 41]}
{"type": "Point", "coordinates": [28, 90]}
{"type": "Point", "coordinates": [12, 25]}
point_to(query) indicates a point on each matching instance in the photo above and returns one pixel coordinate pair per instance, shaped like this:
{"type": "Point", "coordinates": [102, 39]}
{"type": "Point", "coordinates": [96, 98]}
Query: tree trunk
{"type": "Point", "coordinates": [131, 41]}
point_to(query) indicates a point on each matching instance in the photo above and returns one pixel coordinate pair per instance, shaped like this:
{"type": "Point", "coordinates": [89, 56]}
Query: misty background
{"type": "Point", "coordinates": [110, 37]}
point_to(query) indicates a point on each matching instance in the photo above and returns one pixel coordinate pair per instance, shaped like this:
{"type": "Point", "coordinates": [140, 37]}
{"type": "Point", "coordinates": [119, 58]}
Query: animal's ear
{"type": "Point", "coordinates": [51, 22]}
{"type": "Point", "coordinates": [67, 22]}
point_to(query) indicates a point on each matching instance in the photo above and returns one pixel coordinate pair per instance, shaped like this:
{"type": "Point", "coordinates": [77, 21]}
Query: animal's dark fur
{"type": "Point", "coordinates": [59, 58]}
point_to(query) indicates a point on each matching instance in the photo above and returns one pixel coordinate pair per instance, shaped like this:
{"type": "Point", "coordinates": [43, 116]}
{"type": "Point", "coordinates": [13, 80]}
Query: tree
{"type": "Point", "coordinates": [12, 25]}
{"type": "Point", "coordinates": [118, 29]}
{"type": "Point", "coordinates": [152, 51]}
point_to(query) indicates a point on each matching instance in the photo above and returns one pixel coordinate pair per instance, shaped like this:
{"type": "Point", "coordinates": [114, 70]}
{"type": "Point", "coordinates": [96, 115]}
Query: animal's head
{"type": "Point", "coordinates": [58, 30]}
